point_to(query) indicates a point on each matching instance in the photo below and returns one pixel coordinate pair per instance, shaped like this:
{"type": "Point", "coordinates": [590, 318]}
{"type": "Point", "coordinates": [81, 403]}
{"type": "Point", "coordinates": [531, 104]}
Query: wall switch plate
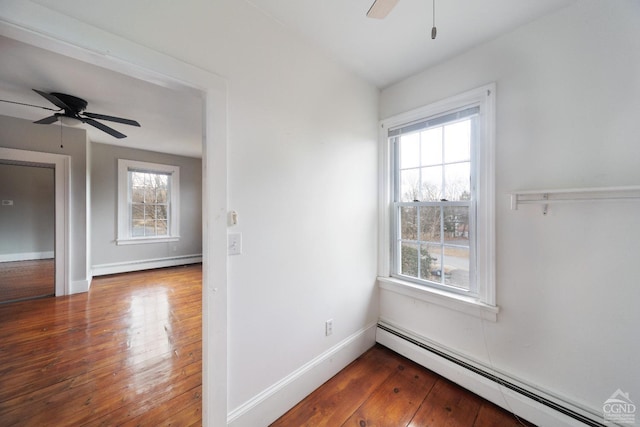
{"type": "Point", "coordinates": [234, 244]}
{"type": "Point", "coordinates": [328, 327]}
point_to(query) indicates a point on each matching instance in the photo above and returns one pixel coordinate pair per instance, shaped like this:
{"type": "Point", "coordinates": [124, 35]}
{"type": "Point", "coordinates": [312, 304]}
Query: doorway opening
{"type": "Point", "coordinates": [27, 226]}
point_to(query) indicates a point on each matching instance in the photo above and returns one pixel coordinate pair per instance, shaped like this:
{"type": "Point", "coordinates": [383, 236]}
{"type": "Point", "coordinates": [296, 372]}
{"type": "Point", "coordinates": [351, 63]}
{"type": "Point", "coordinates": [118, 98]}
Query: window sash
{"type": "Point", "coordinates": [442, 243]}
{"type": "Point", "coordinates": [149, 226]}
{"type": "Point", "coordinates": [394, 138]}
{"type": "Point", "coordinates": [161, 205]}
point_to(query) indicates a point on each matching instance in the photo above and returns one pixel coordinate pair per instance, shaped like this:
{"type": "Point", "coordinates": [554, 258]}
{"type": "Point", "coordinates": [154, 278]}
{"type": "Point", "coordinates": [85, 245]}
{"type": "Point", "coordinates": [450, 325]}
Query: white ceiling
{"type": "Point", "coordinates": [170, 120]}
{"type": "Point", "coordinates": [386, 51]}
{"type": "Point", "coordinates": [381, 51]}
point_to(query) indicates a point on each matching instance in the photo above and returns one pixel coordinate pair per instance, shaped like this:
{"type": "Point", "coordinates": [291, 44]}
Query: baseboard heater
{"type": "Point", "coordinates": [501, 381]}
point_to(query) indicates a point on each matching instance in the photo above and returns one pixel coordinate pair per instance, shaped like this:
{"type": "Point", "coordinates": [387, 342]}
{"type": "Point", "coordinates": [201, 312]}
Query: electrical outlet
{"type": "Point", "coordinates": [328, 327]}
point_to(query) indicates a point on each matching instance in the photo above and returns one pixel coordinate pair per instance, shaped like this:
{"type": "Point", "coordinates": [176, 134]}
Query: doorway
{"type": "Point", "coordinates": [27, 227]}
{"type": "Point", "coordinates": [152, 66]}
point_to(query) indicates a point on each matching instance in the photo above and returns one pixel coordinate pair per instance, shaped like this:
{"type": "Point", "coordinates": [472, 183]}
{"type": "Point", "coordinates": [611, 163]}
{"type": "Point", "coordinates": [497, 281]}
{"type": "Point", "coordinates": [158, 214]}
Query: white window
{"type": "Point", "coordinates": [439, 193]}
{"type": "Point", "coordinates": [148, 202]}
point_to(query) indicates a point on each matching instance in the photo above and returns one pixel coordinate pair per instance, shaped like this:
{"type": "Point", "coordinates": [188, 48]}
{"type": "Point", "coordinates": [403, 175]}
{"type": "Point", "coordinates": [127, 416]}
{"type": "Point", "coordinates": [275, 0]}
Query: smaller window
{"type": "Point", "coordinates": [148, 202]}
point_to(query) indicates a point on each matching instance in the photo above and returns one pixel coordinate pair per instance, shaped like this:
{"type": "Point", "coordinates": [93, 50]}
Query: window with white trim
{"type": "Point", "coordinates": [148, 202]}
{"type": "Point", "coordinates": [441, 196]}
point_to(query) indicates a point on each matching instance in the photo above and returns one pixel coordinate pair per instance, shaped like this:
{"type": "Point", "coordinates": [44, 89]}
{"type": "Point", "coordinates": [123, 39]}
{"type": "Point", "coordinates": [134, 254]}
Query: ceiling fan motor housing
{"type": "Point", "coordinates": [76, 104]}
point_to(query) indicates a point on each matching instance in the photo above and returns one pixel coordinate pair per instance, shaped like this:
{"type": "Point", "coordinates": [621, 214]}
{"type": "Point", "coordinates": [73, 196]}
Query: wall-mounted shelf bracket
{"type": "Point", "coordinates": [573, 195]}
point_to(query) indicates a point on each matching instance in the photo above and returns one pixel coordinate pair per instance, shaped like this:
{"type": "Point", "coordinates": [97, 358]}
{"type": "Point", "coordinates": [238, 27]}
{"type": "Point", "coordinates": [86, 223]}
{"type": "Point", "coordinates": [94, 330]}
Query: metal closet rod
{"type": "Point", "coordinates": [573, 195]}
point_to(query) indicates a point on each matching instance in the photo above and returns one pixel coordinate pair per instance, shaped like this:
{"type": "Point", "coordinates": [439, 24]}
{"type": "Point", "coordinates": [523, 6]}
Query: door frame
{"type": "Point", "coordinates": [44, 28]}
{"type": "Point", "coordinates": [61, 165]}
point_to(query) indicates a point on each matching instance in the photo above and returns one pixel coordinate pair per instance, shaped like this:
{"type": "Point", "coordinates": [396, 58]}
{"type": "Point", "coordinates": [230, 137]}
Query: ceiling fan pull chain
{"type": "Point", "coordinates": [434, 31]}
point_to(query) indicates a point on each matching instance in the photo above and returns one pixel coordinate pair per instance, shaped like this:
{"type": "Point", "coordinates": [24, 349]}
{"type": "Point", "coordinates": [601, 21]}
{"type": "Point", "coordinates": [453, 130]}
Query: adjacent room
{"type": "Point", "coordinates": [454, 182]}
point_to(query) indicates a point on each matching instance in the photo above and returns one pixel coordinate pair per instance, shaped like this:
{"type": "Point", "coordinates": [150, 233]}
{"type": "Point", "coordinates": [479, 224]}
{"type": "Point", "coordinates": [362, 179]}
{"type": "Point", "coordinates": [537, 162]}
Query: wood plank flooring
{"type": "Point", "coordinates": [26, 279]}
{"type": "Point", "coordinates": [384, 389]}
{"type": "Point", "coordinates": [127, 353]}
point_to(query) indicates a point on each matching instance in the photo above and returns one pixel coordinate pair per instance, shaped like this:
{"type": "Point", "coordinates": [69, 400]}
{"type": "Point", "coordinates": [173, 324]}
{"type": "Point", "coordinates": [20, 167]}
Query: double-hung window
{"type": "Point", "coordinates": [440, 196]}
{"type": "Point", "coordinates": [148, 202]}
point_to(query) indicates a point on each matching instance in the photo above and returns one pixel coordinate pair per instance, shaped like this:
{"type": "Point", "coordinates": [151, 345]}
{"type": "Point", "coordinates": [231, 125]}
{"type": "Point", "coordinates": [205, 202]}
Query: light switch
{"type": "Point", "coordinates": [234, 244]}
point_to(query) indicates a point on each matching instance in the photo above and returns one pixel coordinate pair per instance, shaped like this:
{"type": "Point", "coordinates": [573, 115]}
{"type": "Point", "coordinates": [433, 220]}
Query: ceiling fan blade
{"type": "Point", "coordinates": [48, 120]}
{"type": "Point", "coordinates": [112, 119]}
{"type": "Point", "coordinates": [104, 128]}
{"type": "Point", "coordinates": [381, 8]}
{"type": "Point", "coordinates": [53, 99]}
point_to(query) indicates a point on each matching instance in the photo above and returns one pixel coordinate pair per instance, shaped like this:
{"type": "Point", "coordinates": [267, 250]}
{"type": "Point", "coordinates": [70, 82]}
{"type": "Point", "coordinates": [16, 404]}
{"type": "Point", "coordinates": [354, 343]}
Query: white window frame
{"type": "Point", "coordinates": [482, 303]}
{"type": "Point", "coordinates": [124, 212]}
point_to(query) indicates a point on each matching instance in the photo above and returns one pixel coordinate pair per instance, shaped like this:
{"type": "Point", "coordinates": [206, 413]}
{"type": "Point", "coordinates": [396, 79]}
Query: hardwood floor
{"type": "Point", "coordinates": [128, 353]}
{"type": "Point", "coordinates": [382, 388]}
{"type": "Point", "coordinates": [26, 279]}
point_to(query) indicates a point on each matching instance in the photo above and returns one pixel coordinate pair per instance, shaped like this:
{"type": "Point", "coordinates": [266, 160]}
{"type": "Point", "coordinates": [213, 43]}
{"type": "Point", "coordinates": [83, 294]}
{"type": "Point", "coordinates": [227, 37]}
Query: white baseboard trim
{"type": "Point", "coordinates": [26, 256]}
{"type": "Point", "coordinates": [273, 402]}
{"type": "Point", "coordinates": [526, 407]}
{"type": "Point", "coordinates": [145, 264]}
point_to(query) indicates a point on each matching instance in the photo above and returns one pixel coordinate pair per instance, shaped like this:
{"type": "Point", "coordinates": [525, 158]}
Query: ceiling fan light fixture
{"type": "Point", "coordinates": [69, 121]}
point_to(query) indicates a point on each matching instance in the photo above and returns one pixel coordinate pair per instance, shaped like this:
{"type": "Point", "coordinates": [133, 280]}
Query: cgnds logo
{"type": "Point", "coordinates": [619, 408]}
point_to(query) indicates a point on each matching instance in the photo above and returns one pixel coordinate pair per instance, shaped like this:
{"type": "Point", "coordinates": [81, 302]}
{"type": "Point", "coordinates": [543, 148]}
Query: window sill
{"type": "Point", "coordinates": [145, 240]}
{"type": "Point", "coordinates": [461, 303]}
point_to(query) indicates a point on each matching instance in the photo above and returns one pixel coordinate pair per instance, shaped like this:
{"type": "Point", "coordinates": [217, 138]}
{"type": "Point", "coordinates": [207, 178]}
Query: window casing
{"type": "Point", "coordinates": [148, 202]}
{"type": "Point", "coordinates": [439, 227]}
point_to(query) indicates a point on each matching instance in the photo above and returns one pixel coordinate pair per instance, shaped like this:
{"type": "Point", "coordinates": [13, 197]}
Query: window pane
{"type": "Point", "coordinates": [137, 179]}
{"type": "Point", "coordinates": [161, 212]}
{"type": "Point", "coordinates": [137, 194]}
{"type": "Point", "coordinates": [150, 212]}
{"type": "Point", "coordinates": [161, 180]}
{"type": "Point", "coordinates": [150, 195]}
{"type": "Point", "coordinates": [410, 151]}
{"type": "Point", "coordinates": [149, 227]}
{"type": "Point", "coordinates": [161, 227]}
{"type": "Point", "coordinates": [408, 223]}
{"type": "Point", "coordinates": [457, 181]}
{"type": "Point", "coordinates": [409, 185]}
{"type": "Point", "coordinates": [456, 225]}
{"type": "Point", "coordinates": [457, 137]}
{"type": "Point", "coordinates": [161, 194]}
{"type": "Point", "coordinates": [430, 223]}
{"type": "Point", "coordinates": [456, 261]}
{"type": "Point", "coordinates": [433, 267]}
{"type": "Point", "coordinates": [431, 186]}
{"type": "Point", "coordinates": [409, 259]}
{"type": "Point", "coordinates": [137, 229]}
{"type": "Point", "coordinates": [137, 212]}
{"type": "Point", "coordinates": [431, 153]}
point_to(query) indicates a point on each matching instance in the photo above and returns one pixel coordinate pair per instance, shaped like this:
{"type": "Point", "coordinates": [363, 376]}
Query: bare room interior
{"type": "Point", "coordinates": [298, 138]}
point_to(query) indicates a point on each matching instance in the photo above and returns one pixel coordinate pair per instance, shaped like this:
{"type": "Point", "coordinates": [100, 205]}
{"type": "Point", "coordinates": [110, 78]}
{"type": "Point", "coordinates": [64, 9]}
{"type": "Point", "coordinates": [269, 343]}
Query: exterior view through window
{"type": "Point", "coordinates": [434, 200]}
{"type": "Point", "coordinates": [149, 203]}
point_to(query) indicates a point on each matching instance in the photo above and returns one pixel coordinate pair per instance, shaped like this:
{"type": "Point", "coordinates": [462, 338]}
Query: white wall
{"type": "Point", "coordinates": [302, 162]}
{"type": "Point", "coordinates": [568, 100]}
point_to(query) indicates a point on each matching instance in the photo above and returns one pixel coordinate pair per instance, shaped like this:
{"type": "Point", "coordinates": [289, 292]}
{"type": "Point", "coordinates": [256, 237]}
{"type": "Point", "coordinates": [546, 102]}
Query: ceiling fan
{"type": "Point", "coordinates": [71, 111]}
{"type": "Point", "coordinates": [381, 8]}
{"type": "Point", "coordinates": [74, 109]}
